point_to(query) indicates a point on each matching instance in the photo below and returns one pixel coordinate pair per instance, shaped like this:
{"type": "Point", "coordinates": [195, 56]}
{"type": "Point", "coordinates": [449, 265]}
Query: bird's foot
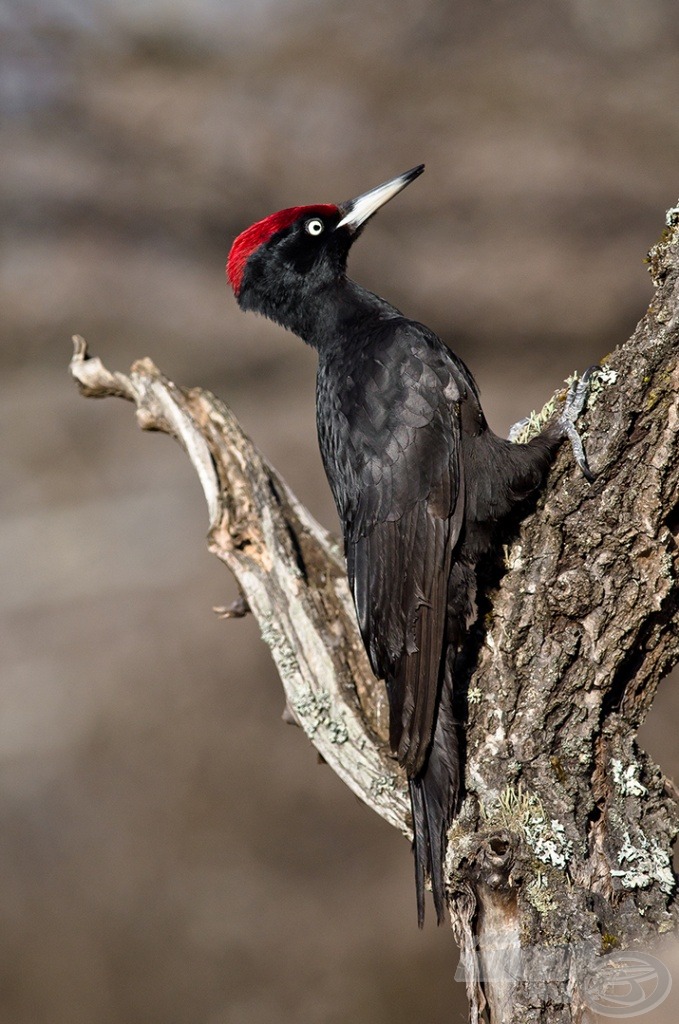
{"type": "Point", "coordinates": [576, 399]}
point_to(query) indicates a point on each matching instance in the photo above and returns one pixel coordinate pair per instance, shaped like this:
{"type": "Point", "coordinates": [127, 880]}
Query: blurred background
{"type": "Point", "coordinates": [170, 851]}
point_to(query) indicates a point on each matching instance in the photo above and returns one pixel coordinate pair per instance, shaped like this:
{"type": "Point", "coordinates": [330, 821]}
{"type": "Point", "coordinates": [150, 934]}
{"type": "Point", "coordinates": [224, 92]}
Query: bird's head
{"type": "Point", "coordinates": [276, 261]}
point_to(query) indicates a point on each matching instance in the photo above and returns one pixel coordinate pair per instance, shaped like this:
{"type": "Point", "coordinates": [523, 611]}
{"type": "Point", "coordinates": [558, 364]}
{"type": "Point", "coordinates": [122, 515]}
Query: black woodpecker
{"type": "Point", "coordinates": [420, 481]}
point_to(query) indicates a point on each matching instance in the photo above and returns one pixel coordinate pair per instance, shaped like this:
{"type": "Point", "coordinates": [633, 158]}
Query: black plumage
{"type": "Point", "coordinates": [419, 480]}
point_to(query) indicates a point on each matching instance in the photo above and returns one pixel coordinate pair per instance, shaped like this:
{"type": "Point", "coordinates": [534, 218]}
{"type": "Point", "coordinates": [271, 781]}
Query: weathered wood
{"type": "Point", "coordinates": [566, 836]}
{"type": "Point", "coordinates": [561, 851]}
{"type": "Point", "coordinates": [290, 573]}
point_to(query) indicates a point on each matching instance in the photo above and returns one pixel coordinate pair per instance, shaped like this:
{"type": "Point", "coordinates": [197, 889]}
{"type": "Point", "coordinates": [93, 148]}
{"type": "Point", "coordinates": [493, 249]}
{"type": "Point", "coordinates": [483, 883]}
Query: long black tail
{"type": "Point", "coordinates": [434, 797]}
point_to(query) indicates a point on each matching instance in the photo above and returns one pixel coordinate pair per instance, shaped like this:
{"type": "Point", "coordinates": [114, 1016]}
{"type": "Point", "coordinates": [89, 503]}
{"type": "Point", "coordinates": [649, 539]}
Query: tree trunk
{"type": "Point", "coordinates": [558, 866]}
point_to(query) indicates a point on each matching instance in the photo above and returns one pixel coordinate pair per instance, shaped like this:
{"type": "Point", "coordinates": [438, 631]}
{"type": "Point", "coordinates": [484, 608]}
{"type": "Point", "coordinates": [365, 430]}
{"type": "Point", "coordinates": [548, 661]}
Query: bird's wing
{"type": "Point", "coordinates": [402, 516]}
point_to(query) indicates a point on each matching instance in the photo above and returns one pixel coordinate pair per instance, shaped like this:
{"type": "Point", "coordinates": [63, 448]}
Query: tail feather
{"type": "Point", "coordinates": [434, 796]}
{"type": "Point", "coordinates": [421, 844]}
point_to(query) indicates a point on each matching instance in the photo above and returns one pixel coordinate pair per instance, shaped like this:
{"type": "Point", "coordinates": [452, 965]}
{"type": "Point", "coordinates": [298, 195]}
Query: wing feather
{"type": "Point", "coordinates": [401, 498]}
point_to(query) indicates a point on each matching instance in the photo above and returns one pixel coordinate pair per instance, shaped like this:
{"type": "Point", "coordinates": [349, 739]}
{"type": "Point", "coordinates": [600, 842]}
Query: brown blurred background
{"type": "Point", "coordinates": [170, 852]}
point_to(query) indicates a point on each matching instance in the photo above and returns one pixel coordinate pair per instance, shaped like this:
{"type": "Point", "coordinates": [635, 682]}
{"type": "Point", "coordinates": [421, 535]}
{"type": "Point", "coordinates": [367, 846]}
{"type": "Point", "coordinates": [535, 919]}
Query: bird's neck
{"type": "Point", "coordinates": [326, 315]}
{"type": "Point", "coordinates": [336, 313]}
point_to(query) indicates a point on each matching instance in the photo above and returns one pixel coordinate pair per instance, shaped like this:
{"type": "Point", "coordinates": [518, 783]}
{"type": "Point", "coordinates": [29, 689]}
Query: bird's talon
{"type": "Point", "coordinates": [577, 395]}
{"type": "Point", "coordinates": [573, 407]}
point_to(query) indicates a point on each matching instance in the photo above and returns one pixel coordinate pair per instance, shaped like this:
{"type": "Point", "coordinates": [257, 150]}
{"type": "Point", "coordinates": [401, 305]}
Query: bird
{"type": "Point", "coordinates": [420, 482]}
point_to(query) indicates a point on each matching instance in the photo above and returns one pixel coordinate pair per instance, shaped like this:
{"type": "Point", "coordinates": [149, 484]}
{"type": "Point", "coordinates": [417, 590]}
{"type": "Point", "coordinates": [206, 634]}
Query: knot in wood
{"type": "Point", "coordinates": [495, 858]}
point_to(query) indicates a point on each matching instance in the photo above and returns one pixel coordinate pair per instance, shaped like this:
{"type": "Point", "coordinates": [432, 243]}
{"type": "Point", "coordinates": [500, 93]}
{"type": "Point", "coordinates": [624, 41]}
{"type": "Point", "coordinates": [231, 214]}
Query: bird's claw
{"type": "Point", "coordinates": [576, 400]}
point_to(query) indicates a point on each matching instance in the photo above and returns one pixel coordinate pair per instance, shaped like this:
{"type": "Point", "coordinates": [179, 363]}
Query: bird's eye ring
{"type": "Point", "coordinates": [315, 226]}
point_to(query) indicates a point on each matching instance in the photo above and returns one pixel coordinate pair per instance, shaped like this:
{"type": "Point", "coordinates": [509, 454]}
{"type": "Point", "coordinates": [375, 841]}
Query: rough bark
{"type": "Point", "coordinates": [561, 854]}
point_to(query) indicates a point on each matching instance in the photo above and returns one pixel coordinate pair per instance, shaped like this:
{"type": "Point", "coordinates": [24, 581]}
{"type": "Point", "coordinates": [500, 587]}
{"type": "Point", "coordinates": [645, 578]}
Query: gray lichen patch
{"type": "Point", "coordinates": [643, 862]}
{"type": "Point", "coordinates": [601, 378]}
{"type": "Point", "coordinates": [382, 784]}
{"type": "Point", "coordinates": [523, 812]}
{"type": "Point", "coordinates": [316, 710]}
{"type": "Point", "coordinates": [626, 779]}
{"type": "Point", "coordinates": [539, 894]}
{"type": "Point", "coordinates": [672, 217]}
{"type": "Point", "coordinates": [659, 257]}
{"type": "Point", "coordinates": [534, 422]}
{"type": "Point", "coordinates": [547, 837]}
{"type": "Point", "coordinates": [280, 647]}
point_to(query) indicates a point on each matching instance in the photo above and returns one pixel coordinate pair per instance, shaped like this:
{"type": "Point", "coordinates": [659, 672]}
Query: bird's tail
{"type": "Point", "coordinates": [434, 795]}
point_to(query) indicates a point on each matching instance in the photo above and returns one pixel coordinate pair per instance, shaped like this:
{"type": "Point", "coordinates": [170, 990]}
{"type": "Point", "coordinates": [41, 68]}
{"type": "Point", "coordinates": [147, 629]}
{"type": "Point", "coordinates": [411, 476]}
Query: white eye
{"type": "Point", "coordinates": [315, 226]}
